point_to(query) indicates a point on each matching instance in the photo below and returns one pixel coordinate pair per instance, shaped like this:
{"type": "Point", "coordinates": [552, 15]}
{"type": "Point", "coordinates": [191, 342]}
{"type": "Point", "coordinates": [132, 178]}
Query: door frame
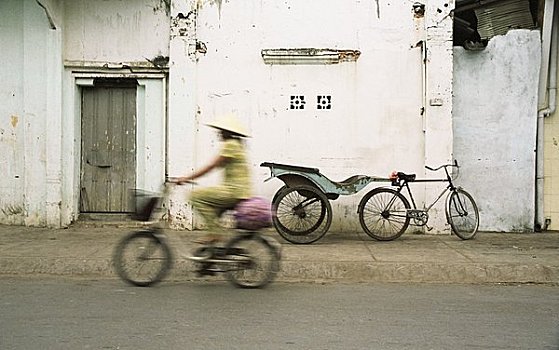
{"type": "Point", "coordinates": [151, 133]}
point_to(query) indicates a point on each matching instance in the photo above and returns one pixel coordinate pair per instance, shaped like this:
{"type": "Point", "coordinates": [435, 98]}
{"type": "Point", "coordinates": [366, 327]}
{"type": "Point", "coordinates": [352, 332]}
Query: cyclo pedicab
{"type": "Point", "coordinates": [303, 214]}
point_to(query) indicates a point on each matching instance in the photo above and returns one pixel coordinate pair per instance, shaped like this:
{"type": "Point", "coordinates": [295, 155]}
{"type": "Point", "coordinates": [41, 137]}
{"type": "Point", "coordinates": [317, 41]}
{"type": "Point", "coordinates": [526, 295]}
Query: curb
{"type": "Point", "coordinates": [309, 271]}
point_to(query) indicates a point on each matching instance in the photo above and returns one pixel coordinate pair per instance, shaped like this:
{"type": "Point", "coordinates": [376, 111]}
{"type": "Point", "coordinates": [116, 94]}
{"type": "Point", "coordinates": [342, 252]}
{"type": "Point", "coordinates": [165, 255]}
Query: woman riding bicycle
{"type": "Point", "coordinates": [211, 202]}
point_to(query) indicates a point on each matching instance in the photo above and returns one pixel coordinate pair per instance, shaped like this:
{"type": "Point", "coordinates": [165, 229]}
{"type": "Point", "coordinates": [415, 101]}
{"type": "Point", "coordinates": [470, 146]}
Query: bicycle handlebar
{"type": "Point", "coordinates": [443, 166]}
{"type": "Point", "coordinates": [173, 181]}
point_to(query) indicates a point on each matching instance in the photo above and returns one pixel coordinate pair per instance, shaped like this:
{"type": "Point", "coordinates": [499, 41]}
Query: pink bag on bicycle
{"type": "Point", "coordinates": [253, 214]}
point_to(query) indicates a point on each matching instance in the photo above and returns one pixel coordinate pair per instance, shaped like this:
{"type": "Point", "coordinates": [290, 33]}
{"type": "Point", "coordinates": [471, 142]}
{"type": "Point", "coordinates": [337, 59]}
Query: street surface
{"type": "Point", "coordinates": [67, 313]}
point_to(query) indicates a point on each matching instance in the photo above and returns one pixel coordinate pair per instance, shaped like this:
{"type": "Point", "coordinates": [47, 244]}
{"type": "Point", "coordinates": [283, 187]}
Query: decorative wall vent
{"type": "Point", "coordinates": [309, 56]}
{"type": "Point", "coordinates": [297, 102]}
{"type": "Point", "coordinates": [323, 102]}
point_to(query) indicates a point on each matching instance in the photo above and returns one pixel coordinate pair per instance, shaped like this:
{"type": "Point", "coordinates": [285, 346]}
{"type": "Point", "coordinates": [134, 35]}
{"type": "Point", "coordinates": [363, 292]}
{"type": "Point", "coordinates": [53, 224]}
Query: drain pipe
{"type": "Point", "coordinates": [548, 79]}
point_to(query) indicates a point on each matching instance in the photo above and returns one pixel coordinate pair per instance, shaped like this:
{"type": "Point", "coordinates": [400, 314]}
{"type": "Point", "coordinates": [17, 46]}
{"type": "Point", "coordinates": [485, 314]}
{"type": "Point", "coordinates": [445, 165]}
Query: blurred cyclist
{"type": "Point", "coordinates": [211, 202]}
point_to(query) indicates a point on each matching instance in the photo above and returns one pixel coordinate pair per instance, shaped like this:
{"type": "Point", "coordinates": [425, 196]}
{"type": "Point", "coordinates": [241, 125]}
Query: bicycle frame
{"type": "Point", "coordinates": [404, 182]}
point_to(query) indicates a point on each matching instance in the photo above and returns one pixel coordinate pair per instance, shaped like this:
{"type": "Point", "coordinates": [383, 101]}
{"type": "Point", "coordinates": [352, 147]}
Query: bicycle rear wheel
{"type": "Point", "coordinates": [302, 214]}
{"type": "Point", "coordinates": [383, 214]}
{"type": "Point", "coordinates": [256, 261]}
{"type": "Point", "coordinates": [462, 214]}
{"type": "Point", "coordinates": [142, 259]}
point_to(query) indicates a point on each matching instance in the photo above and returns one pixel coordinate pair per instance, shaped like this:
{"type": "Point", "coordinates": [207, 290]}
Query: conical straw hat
{"type": "Point", "coordinates": [231, 123]}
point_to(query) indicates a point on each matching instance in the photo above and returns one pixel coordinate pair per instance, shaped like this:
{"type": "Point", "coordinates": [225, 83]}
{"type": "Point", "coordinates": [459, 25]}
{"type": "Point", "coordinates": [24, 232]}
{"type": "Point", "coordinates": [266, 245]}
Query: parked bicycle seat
{"type": "Point", "coordinates": [406, 177]}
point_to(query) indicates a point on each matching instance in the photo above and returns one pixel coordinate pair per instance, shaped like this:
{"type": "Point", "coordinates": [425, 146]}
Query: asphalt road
{"type": "Point", "coordinates": [39, 313]}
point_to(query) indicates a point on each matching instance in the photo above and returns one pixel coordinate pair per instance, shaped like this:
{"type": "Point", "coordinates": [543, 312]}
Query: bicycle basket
{"type": "Point", "coordinates": [143, 204]}
{"type": "Point", "coordinates": [253, 214]}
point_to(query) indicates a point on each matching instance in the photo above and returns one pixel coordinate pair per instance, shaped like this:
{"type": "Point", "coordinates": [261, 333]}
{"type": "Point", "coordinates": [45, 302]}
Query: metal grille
{"type": "Point", "coordinates": [499, 18]}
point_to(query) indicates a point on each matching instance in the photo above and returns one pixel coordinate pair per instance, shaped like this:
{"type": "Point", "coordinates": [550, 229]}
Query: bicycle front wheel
{"type": "Point", "coordinates": [383, 214]}
{"type": "Point", "coordinates": [255, 262]}
{"type": "Point", "coordinates": [302, 214]}
{"type": "Point", "coordinates": [142, 259]}
{"type": "Point", "coordinates": [462, 214]}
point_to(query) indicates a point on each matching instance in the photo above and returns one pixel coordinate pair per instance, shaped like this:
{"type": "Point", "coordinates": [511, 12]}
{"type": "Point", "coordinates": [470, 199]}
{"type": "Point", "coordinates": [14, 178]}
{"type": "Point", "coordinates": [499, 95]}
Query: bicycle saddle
{"type": "Point", "coordinates": [406, 177]}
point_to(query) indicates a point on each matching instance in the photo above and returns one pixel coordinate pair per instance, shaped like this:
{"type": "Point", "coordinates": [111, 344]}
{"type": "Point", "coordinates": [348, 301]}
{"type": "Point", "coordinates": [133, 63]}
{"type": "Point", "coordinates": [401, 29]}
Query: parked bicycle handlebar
{"type": "Point", "coordinates": [443, 166]}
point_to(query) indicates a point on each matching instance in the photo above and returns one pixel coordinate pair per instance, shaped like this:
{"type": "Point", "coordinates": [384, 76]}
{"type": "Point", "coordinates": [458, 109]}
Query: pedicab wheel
{"type": "Point", "coordinates": [254, 262]}
{"type": "Point", "coordinates": [142, 258]}
{"type": "Point", "coordinates": [383, 214]}
{"type": "Point", "coordinates": [302, 214]}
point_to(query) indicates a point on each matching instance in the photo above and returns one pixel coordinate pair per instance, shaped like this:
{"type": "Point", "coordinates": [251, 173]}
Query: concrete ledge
{"type": "Point", "coordinates": [309, 271]}
{"type": "Point", "coordinates": [338, 257]}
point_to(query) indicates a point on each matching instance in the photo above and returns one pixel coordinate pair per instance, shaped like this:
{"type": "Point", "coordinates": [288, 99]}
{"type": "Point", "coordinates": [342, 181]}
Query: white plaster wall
{"type": "Point", "coordinates": [11, 114]}
{"type": "Point", "coordinates": [115, 31]}
{"type": "Point", "coordinates": [374, 127]}
{"type": "Point", "coordinates": [375, 124]}
{"type": "Point", "coordinates": [494, 122]}
{"type": "Point", "coordinates": [31, 101]}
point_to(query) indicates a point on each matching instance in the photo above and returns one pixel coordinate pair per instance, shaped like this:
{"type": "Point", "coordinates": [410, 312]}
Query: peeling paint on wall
{"type": "Point", "coordinates": [418, 10]}
{"type": "Point", "coordinates": [184, 27]}
{"type": "Point", "coordinates": [308, 56]}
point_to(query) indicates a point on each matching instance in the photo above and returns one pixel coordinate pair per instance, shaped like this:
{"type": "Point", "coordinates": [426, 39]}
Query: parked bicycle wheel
{"type": "Point", "coordinates": [462, 214]}
{"type": "Point", "coordinates": [383, 214]}
{"type": "Point", "coordinates": [142, 258]}
{"type": "Point", "coordinates": [256, 261]}
{"type": "Point", "coordinates": [302, 214]}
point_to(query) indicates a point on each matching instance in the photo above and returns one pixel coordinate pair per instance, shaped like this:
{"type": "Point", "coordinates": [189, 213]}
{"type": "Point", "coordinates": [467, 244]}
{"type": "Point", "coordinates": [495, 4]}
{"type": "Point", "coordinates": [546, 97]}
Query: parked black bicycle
{"type": "Point", "coordinates": [385, 213]}
{"type": "Point", "coordinates": [143, 258]}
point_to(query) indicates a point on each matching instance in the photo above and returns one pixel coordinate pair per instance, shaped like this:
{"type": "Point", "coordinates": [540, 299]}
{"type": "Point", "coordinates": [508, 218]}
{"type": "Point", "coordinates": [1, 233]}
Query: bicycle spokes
{"type": "Point", "coordinates": [462, 214]}
{"type": "Point", "coordinates": [383, 214]}
{"type": "Point", "coordinates": [302, 214]}
{"type": "Point", "coordinates": [459, 206]}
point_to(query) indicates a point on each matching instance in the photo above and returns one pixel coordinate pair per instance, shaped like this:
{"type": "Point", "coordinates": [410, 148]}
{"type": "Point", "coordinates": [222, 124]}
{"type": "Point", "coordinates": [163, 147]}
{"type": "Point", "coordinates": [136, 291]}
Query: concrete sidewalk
{"type": "Point", "coordinates": [342, 257]}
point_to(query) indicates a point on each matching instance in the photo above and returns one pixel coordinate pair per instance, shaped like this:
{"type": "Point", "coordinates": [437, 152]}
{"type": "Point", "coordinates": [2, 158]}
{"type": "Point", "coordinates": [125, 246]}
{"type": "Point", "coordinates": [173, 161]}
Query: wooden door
{"type": "Point", "coordinates": [108, 164]}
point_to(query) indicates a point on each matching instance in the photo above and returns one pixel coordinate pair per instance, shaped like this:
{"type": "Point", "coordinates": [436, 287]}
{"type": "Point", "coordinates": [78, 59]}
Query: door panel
{"type": "Point", "coordinates": [108, 168]}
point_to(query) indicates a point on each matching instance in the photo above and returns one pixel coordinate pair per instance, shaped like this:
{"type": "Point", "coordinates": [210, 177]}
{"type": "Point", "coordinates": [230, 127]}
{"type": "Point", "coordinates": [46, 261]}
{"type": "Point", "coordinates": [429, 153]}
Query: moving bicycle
{"type": "Point", "coordinates": [248, 258]}
{"type": "Point", "coordinates": [234, 193]}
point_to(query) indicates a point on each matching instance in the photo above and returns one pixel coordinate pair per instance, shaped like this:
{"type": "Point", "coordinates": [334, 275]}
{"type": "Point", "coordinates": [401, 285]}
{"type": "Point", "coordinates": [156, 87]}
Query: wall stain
{"type": "Point", "coordinates": [219, 4]}
{"type": "Point", "coordinates": [15, 120]}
